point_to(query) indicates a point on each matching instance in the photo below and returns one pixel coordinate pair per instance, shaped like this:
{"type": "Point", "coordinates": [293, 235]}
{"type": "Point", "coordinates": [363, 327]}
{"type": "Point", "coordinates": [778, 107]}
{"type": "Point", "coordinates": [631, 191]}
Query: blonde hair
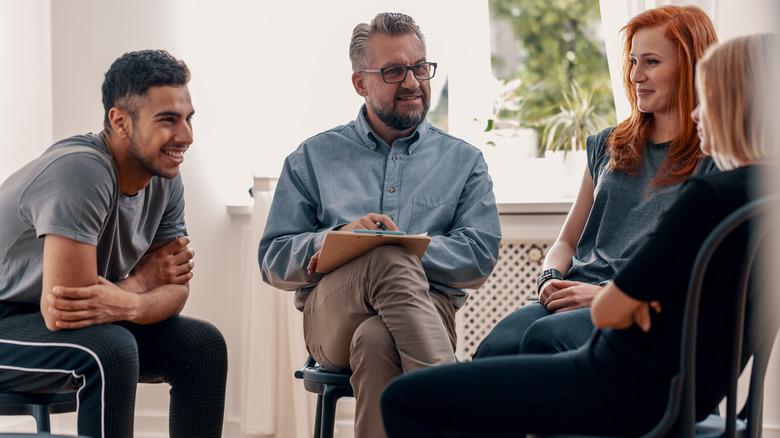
{"type": "Point", "coordinates": [734, 81]}
{"type": "Point", "coordinates": [691, 31]}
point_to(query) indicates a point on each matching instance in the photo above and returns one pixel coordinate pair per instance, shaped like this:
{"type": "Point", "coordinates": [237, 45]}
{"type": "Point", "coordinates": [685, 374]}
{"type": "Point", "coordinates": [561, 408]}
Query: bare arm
{"type": "Point", "coordinates": [560, 254]}
{"type": "Point", "coordinates": [74, 296]}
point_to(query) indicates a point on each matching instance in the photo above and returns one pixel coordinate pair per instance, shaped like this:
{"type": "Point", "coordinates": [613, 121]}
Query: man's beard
{"type": "Point", "coordinates": [401, 122]}
{"type": "Point", "coordinates": [147, 164]}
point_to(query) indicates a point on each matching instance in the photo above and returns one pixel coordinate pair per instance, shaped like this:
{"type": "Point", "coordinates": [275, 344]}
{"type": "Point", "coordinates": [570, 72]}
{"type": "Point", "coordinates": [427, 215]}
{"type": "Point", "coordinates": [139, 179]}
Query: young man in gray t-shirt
{"type": "Point", "coordinates": [96, 264]}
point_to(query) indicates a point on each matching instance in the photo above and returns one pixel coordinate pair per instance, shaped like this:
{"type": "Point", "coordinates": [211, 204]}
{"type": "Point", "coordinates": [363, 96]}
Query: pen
{"type": "Point", "coordinates": [381, 226]}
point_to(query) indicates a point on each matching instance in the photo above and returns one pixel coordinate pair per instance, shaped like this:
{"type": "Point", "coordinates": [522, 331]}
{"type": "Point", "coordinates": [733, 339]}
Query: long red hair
{"type": "Point", "coordinates": [691, 32]}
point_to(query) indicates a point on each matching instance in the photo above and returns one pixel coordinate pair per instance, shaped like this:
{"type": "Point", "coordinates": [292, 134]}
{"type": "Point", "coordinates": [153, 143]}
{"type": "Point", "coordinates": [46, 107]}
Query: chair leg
{"type": "Point", "coordinates": [318, 417]}
{"type": "Point", "coordinates": [329, 398]}
{"type": "Point", "coordinates": [41, 414]}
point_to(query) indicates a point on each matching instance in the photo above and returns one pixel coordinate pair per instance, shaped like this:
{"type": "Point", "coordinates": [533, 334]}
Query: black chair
{"type": "Point", "coordinates": [39, 405]}
{"type": "Point", "coordinates": [329, 387]}
{"type": "Point", "coordinates": [679, 417]}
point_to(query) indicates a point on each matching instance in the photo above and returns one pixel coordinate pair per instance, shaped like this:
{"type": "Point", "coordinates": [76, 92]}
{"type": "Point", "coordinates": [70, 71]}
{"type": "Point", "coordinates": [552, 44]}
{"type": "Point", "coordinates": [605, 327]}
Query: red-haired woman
{"type": "Point", "coordinates": [634, 174]}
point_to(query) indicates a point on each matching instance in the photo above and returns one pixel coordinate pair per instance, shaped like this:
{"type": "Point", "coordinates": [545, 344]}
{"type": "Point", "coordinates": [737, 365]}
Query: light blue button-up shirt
{"type": "Point", "coordinates": [428, 182]}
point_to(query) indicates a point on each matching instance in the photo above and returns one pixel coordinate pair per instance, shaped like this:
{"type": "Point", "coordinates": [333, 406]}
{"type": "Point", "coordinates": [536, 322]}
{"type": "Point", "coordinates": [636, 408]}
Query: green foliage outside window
{"type": "Point", "coordinates": [561, 47]}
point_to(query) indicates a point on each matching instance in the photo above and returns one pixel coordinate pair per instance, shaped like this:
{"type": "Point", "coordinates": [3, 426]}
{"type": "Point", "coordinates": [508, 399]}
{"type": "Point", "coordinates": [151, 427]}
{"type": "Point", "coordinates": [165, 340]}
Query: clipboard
{"type": "Point", "coordinates": [341, 247]}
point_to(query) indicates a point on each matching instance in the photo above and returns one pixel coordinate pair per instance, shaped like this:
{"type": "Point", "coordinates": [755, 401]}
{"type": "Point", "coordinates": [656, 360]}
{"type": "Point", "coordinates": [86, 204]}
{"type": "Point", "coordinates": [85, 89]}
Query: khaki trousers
{"type": "Point", "coordinates": [376, 316]}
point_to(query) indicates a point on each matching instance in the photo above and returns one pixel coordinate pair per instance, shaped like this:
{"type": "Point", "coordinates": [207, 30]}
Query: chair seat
{"type": "Point", "coordinates": [13, 403]}
{"type": "Point", "coordinates": [317, 379]}
{"type": "Point", "coordinates": [319, 375]}
{"type": "Point", "coordinates": [38, 405]}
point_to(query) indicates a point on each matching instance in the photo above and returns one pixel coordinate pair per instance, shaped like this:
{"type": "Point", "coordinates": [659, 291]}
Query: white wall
{"type": "Point", "coordinates": [25, 82]}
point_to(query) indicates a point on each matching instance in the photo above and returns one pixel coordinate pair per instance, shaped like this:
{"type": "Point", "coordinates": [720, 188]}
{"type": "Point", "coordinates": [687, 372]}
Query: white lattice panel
{"type": "Point", "coordinates": [511, 283]}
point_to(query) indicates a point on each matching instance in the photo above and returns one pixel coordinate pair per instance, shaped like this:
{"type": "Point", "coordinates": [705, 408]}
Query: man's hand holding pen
{"type": "Point", "coordinates": [371, 221]}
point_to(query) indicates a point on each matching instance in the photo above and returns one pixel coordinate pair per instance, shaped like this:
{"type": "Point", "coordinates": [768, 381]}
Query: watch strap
{"type": "Point", "coordinates": [547, 274]}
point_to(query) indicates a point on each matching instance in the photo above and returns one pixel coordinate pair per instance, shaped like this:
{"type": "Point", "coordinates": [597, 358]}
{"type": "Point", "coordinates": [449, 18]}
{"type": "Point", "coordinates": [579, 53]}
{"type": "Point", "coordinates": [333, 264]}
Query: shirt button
{"type": "Point", "coordinates": [392, 190]}
{"type": "Point", "coordinates": [393, 157]}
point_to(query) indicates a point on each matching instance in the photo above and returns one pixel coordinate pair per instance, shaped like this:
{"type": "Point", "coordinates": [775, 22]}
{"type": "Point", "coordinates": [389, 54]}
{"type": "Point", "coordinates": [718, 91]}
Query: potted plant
{"type": "Point", "coordinates": [564, 135]}
{"type": "Point", "coordinates": [575, 120]}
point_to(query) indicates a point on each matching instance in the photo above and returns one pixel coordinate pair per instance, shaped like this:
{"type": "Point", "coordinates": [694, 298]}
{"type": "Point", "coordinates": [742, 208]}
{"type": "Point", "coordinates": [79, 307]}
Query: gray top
{"type": "Point", "coordinates": [72, 191]}
{"type": "Point", "coordinates": [625, 210]}
{"type": "Point", "coordinates": [428, 182]}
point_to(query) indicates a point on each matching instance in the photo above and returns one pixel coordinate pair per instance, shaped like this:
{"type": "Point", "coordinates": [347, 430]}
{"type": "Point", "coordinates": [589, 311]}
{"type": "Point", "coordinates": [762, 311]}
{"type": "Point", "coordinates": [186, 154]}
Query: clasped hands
{"type": "Point", "coordinates": [371, 221]}
{"type": "Point", "coordinates": [103, 302]}
{"type": "Point", "coordinates": [564, 295]}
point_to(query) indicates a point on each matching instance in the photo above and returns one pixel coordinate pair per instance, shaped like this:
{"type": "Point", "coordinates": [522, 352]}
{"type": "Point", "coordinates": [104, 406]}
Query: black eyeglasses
{"type": "Point", "coordinates": [394, 74]}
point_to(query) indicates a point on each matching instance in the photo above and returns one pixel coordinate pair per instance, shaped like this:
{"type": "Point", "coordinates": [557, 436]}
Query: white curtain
{"type": "Point", "coordinates": [274, 403]}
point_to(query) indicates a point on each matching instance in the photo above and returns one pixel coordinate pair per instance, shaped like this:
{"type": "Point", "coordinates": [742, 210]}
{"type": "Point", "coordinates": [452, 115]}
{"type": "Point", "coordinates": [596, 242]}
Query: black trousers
{"type": "Point", "coordinates": [591, 391]}
{"type": "Point", "coordinates": [105, 363]}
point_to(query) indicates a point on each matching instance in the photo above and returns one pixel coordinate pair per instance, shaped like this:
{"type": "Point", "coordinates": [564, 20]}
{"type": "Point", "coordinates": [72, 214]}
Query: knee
{"type": "Point", "coordinates": [394, 259]}
{"type": "Point", "coordinates": [539, 338]}
{"type": "Point", "coordinates": [548, 335]}
{"type": "Point", "coordinates": [505, 338]}
{"type": "Point", "coordinates": [205, 346]}
{"type": "Point", "coordinates": [498, 342]}
{"type": "Point", "coordinates": [560, 332]}
{"type": "Point", "coordinates": [115, 353]}
{"type": "Point", "coordinates": [372, 343]}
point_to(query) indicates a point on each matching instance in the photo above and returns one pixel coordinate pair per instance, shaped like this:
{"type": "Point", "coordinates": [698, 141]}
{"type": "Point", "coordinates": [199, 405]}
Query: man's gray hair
{"type": "Point", "coordinates": [389, 23]}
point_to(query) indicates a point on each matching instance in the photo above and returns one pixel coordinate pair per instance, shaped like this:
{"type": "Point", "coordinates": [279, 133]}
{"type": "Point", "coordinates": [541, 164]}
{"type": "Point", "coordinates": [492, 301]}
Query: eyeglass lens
{"type": "Point", "coordinates": [422, 72]}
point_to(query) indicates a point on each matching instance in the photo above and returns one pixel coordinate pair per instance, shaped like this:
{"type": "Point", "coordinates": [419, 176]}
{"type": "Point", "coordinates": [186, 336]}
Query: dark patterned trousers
{"type": "Point", "coordinates": [106, 362]}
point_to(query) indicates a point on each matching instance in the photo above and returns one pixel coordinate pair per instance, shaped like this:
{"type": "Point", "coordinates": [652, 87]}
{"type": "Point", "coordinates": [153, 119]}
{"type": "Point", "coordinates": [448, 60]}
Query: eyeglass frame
{"type": "Point", "coordinates": [407, 68]}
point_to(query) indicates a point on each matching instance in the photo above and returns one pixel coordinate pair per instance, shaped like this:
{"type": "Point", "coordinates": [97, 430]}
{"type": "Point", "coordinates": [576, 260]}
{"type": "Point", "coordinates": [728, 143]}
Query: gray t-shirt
{"type": "Point", "coordinates": [72, 191]}
{"type": "Point", "coordinates": [625, 210]}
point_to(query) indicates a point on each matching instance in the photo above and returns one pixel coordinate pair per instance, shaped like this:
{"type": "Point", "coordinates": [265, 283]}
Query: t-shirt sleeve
{"type": "Point", "coordinates": [70, 198]}
{"type": "Point", "coordinates": [664, 262]}
{"type": "Point", "coordinates": [596, 148]}
{"type": "Point", "coordinates": [172, 224]}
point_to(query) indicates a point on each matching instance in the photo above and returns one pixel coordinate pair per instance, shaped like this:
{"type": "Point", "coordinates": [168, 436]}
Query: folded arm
{"type": "Point", "coordinates": [613, 308]}
{"type": "Point", "coordinates": [74, 296]}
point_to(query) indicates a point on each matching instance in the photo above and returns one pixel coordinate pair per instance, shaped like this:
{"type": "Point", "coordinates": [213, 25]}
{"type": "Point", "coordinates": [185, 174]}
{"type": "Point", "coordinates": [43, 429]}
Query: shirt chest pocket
{"type": "Point", "coordinates": [434, 215]}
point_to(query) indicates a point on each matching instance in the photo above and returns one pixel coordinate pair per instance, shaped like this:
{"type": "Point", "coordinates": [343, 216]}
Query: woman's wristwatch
{"type": "Point", "coordinates": [546, 275]}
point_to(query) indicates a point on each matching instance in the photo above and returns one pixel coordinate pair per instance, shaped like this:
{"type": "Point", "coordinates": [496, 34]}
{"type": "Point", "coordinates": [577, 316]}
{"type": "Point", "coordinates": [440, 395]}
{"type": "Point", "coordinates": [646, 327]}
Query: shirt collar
{"type": "Point", "coordinates": [373, 141]}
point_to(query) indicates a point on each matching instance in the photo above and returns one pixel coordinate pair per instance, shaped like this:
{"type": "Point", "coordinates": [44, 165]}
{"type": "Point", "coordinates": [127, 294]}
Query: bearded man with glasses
{"type": "Point", "coordinates": [386, 312]}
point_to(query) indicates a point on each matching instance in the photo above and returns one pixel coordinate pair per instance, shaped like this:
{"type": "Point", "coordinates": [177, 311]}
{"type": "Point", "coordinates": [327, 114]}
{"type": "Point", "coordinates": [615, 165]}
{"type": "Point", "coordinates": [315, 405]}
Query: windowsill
{"type": "Point", "coordinates": [535, 207]}
{"type": "Point", "coordinates": [239, 209]}
{"type": "Point", "coordinates": [243, 208]}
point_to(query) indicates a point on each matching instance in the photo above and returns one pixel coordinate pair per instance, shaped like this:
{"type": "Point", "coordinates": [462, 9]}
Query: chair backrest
{"type": "Point", "coordinates": [681, 408]}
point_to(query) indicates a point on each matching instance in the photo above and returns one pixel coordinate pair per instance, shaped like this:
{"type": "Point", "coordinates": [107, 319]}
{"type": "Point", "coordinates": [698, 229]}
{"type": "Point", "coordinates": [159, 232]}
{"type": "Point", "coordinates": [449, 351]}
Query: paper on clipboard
{"type": "Point", "coordinates": [341, 247]}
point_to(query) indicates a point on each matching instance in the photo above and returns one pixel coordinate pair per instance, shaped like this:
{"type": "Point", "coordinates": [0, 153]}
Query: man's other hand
{"type": "Point", "coordinates": [170, 263]}
{"type": "Point", "coordinates": [77, 307]}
